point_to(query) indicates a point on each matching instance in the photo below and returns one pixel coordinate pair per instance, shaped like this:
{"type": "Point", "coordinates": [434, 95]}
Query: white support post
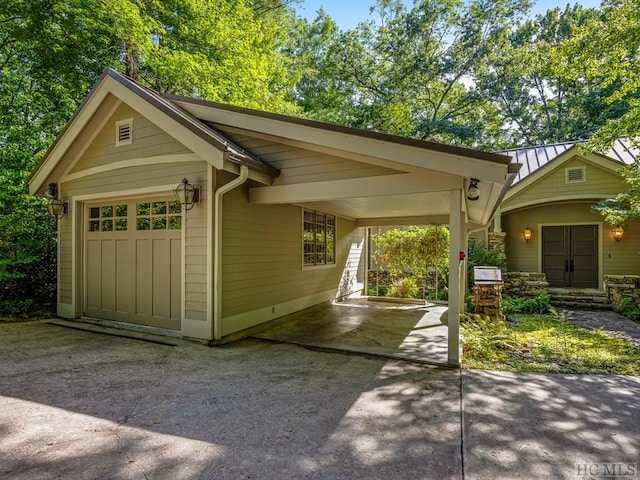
{"type": "Point", "coordinates": [453, 318]}
{"type": "Point", "coordinates": [497, 221]}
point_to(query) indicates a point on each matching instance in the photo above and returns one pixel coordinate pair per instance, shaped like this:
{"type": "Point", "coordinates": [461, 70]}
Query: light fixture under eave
{"type": "Point", "coordinates": [187, 194]}
{"type": "Point", "coordinates": [617, 233]}
{"type": "Point", "coordinates": [473, 192]}
{"type": "Point", "coordinates": [57, 208]}
{"type": "Point", "coordinates": [527, 234]}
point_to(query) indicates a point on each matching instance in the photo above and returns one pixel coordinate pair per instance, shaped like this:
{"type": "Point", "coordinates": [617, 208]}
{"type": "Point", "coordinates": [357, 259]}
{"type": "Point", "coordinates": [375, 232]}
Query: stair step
{"type": "Point", "coordinates": [581, 305]}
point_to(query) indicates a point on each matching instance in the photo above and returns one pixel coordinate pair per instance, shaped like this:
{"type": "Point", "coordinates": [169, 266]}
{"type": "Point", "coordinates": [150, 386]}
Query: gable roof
{"type": "Point", "coordinates": [534, 158]}
{"type": "Point", "coordinates": [197, 135]}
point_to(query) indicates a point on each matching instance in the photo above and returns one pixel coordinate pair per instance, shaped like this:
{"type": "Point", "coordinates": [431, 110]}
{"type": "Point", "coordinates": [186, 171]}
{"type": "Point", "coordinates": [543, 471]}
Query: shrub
{"type": "Point", "coordinates": [538, 304]}
{"type": "Point", "coordinates": [380, 292]}
{"type": "Point", "coordinates": [405, 288]}
{"type": "Point", "coordinates": [630, 308]}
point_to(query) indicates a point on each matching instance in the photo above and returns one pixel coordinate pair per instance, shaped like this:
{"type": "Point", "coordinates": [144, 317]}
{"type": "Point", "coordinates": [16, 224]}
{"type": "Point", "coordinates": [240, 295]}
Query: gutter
{"type": "Point", "coordinates": [217, 247]}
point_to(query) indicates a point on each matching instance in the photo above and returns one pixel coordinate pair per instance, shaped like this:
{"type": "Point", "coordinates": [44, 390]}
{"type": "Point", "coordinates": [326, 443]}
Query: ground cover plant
{"type": "Point", "coordinates": [544, 343]}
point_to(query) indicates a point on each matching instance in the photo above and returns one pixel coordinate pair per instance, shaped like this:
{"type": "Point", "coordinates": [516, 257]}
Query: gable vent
{"type": "Point", "coordinates": [124, 132]}
{"type": "Point", "coordinates": [575, 175]}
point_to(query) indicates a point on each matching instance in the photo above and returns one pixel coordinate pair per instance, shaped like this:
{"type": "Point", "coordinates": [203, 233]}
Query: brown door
{"type": "Point", "coordinates": [570, 255]}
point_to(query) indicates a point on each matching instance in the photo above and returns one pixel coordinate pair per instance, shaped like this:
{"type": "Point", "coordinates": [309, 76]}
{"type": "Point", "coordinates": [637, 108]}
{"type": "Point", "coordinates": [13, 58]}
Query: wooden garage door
{"type": "Point", "coordinates": [132, 261]}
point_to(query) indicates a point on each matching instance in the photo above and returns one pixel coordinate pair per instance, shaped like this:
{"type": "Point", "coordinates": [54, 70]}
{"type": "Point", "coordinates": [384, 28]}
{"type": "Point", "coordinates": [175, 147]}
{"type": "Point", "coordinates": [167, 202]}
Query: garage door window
{"type": "Point", "coordinates": [158, 215]}
{"type": "Point", "coordinates": [108, 218]}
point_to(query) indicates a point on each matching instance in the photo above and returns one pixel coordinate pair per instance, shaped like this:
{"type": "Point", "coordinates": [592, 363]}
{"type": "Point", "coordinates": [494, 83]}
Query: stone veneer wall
{"type": "Point", "coordinates": [497, 244]}
{"type": "Point", "coordinates": [621, 286]}
{"type": "Point", "coordinates": [525, 284]}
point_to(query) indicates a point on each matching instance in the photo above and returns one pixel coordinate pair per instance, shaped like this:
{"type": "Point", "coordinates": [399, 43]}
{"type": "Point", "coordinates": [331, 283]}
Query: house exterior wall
{"type": "Point", "coordinates": [616, 258]}
{"type": "Point", "coordinates": [156, 176]}
{"type": "Point", "coordinates": [262, 271]}
{"type": "Point", "coordinates": [599, 183]}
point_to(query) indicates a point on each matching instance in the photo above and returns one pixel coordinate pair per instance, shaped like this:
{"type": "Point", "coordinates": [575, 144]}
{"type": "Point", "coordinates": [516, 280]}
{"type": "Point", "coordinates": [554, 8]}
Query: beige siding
{"type": "Point", "coordinates": [148, 141]}
{"type": "Point", "coordinates": [298, 165]}
{"type": "Point", "coordinates": [110, 184]}
{"type": "Point", "coordinates": [262, 255]}
{"type": "Point", "coordinates": [618, 258]}
{"type": "Point", "coordinates": [599, 181]}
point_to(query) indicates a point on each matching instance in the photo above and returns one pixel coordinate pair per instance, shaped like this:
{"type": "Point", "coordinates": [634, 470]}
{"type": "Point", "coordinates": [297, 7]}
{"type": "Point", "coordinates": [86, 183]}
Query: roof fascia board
{"type": "Point", "coordinates": [212, 154]}
{"type": "Point", "coordinates": [109, 85]}
{"type": "Point", "coordinates": [349, 141]}
{"type": "Point", "coordinates": [399, 184]}
{"type": "Point", "coordinates": [67, 136]}
{"type": "Point", "coordinates": [558, 200]}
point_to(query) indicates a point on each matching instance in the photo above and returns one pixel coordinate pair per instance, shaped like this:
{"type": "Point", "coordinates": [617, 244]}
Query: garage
{"type": "Point", "coordinates": [132, 261]}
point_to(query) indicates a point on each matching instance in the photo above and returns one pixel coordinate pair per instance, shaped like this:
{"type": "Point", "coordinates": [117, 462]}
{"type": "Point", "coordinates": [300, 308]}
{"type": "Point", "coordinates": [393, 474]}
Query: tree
{"type": "Point", "coordinates": [535, 82]}
{"type": "Point", "coordinates": [52, 52]}
{"type": "Point", "coordinates": [417, 251]}
{"type": "Point", "coordinates": [409, 72]}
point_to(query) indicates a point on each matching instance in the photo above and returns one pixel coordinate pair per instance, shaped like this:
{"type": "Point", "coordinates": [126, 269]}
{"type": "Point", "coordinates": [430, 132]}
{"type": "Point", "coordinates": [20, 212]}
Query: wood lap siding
{"type": "Point", "coordinates": [148, 141]}
{"type": "Point", "coordinates": [598, 182]}
{"type": "Point", "coordinates": [618, 257]}
{"type": "Point", "coordinates": [262, 255]}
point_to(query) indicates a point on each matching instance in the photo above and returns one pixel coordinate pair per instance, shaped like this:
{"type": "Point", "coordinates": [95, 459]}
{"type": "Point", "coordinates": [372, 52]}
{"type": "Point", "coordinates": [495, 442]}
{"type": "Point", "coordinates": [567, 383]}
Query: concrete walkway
{"type": "Point", "coordinates": [87, 405]}
{"type": "Point", "coordinates": [401, 331]}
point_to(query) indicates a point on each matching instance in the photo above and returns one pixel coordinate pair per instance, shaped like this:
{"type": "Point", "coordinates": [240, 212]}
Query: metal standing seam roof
{"type": "Point", "coordinates": [533, 158]}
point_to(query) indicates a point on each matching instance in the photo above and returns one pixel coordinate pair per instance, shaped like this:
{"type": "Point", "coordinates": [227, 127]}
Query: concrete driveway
{"type": "Point", "coordinates": [84, 405]}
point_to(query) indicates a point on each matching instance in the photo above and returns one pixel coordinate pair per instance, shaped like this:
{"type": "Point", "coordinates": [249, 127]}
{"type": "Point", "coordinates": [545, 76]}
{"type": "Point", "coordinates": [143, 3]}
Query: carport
{"type": "Point", "coordinates": [378, 180]}
{"type": "Point", "coordinates": [128, 252]}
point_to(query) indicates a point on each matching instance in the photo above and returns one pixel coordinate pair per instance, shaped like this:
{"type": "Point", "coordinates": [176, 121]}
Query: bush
{"type": "Point", "coordinates": [381, 291]}
{"type": "Point", "coordinates": [405, 288]}
{"type": "Point", "coordinates": [539, 304]}
{"type": "Point", "coordinates": [630, 308]}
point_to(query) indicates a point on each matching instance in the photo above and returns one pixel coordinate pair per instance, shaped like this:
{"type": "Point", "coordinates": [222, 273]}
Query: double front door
{"type": "Point", "coordinates": [570, 255]}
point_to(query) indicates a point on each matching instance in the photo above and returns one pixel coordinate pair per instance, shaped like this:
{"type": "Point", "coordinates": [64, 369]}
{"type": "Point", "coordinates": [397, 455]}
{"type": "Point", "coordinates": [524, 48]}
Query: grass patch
{"type": "Point", "coordinates": [545, 343]}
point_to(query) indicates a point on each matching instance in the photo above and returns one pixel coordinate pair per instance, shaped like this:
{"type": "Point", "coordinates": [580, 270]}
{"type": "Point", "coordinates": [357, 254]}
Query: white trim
{"type": "Point", "coordinates": [396, 184]}
{"type": "Point", "coordinates": [583, 174]}
{"type": "Point", "coordinates": [119, 124]}
{"type": "Point", "coordinates": [131, 193]}
{"type": "Point", "coordinates": [242, 321]}
{"type": "Point", "coordinates": [133, 162]}
{"type": "Point", "coordinates": [340, 141]}
{"type": "Point", "coordinates": [569, 224]}
{"type": "Point", "coordinates": [66, 310]}
{"type": "Point", "coordinates": [212, 178]}
{"type": "Point", "coordinates": [200, 329]}
{"type": "Point", "coordinates": [217, 247]}
{"type": "Point", "coordinates": [584, 198]}
{"type": "Point", "coordinates": [456, 227]}
{"type": "Point", "coordinates": [96, 131]}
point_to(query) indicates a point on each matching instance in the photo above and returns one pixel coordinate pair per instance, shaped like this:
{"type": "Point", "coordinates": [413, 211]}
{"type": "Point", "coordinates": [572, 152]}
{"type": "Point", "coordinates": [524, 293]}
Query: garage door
{"type": "Point", "coordinates": [132, 261]}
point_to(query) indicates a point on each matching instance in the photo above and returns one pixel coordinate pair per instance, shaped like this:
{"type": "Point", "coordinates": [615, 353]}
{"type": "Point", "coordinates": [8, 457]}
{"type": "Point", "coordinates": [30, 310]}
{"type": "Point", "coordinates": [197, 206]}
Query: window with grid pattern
{"type": "Point", "coordinates": [318, 238]}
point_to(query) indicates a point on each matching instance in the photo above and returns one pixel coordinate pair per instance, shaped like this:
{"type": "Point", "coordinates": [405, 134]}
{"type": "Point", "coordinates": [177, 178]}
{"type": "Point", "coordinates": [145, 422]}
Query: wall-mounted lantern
{"type": "Point", "coordinates": [527, 234]}
{"type": "Point", "coordinates": [187, 194]}
{"type": "Point", "coordinates": [617, 233]}
{"type": "Point", "coordinates": [56, 207]}
{"type": "Point", "coordinates": [473, 192]}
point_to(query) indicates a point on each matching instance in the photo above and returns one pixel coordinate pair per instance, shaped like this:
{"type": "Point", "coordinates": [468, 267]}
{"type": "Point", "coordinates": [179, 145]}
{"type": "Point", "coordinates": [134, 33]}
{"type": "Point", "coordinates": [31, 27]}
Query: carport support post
{"type": "Point", "coordinates": [455, 281]}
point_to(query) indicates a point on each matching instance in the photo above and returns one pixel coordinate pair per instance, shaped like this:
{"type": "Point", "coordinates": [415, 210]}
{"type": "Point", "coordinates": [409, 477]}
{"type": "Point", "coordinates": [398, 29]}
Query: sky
{"type": "Point", "coordinates": [348, 13]}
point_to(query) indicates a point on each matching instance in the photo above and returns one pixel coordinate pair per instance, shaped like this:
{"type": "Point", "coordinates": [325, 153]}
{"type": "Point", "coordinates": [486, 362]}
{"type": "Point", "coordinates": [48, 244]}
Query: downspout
{"type": "Point", "coordinates": [217, 247]}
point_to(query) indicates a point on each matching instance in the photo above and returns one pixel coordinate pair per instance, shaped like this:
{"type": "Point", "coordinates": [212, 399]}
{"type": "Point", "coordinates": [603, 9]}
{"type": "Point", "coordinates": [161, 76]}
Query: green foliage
{"type": "Point", "coordinates": [405, 288]}
{"type": "Point", "coordinates": [630, 308]}
{"type": "Point", "coordinates": [381, 291]}
{"type": "Point", "coordinates": [539, 304]}
{"type": "Point", "coordinates": [416, 250]}
{"type": "Point", "coordinates": [549, 343]}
